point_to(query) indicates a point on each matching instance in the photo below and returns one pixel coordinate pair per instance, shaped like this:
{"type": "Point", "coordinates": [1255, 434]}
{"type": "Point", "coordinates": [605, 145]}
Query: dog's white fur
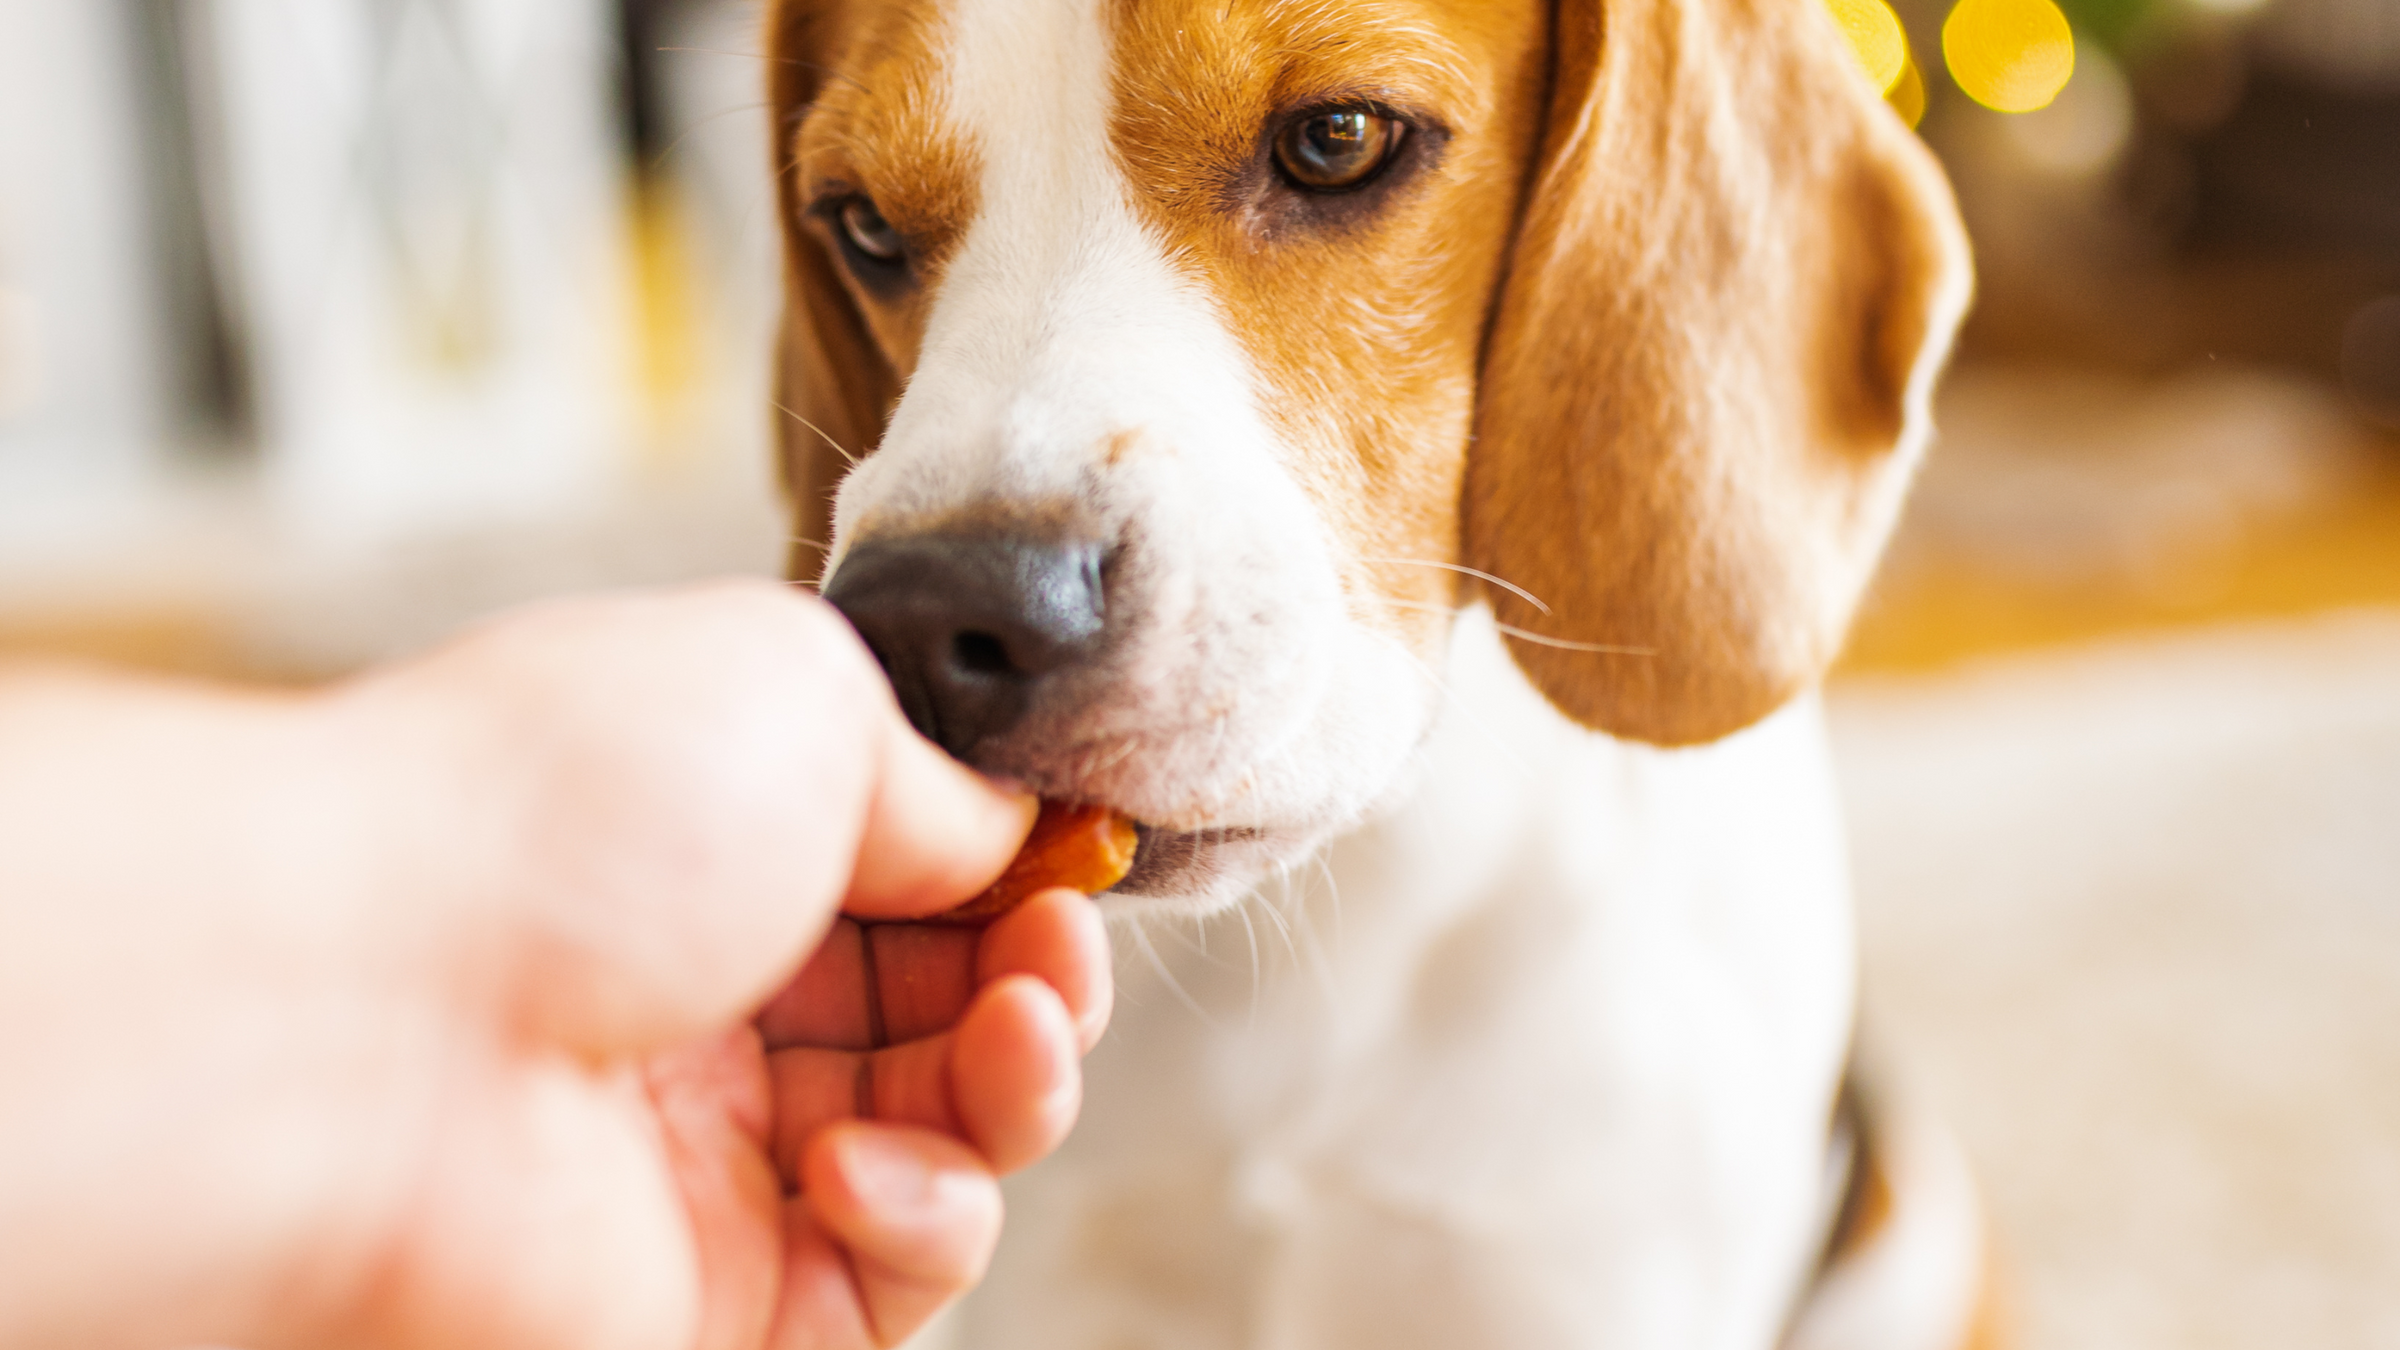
{"type": "Point", "coordinates": [1546, 1065]}
{"type": "Point", "coordinates": [1546, 1054]}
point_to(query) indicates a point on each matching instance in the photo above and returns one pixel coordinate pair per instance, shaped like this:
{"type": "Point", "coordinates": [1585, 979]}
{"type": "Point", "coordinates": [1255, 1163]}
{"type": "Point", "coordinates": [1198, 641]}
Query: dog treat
{"type": "Point", "coordinates": [1087, 848]}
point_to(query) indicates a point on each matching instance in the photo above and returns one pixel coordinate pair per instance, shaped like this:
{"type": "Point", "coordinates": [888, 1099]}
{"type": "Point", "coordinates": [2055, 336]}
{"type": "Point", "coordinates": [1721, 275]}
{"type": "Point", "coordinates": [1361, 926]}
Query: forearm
{"type": "Point", "coordinates": [139, 815]}
{"type": "Point", "coordinates": [149, 826]}
{"type": "Point", "coordinates": [168, 860]}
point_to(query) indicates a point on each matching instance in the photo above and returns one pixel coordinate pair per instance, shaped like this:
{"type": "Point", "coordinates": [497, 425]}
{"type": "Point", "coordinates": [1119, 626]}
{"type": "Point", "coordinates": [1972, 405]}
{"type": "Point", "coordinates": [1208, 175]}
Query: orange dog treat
{"type": "Point", "coordinates": [1087, 848]}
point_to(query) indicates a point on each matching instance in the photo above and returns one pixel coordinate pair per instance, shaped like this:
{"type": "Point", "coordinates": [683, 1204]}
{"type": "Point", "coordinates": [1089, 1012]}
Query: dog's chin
{"type": "Point", "coordinates": [1194, 873]}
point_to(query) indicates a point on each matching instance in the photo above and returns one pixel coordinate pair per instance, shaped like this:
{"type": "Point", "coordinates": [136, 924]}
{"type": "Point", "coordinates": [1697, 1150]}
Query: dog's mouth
{"type": "Point", "coordinates": [1179, 862]}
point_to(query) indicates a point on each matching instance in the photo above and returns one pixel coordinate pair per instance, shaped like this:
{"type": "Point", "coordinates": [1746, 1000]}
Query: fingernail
{"type": "Point", "coordinates": [885, 1172]}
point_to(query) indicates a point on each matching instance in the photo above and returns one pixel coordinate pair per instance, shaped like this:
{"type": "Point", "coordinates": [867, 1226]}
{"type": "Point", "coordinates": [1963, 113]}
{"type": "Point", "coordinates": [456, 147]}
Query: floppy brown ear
{"type": "Point", "coordinates": [832, 382]}
{"type": "Point", "coordinates": [1736, 278]}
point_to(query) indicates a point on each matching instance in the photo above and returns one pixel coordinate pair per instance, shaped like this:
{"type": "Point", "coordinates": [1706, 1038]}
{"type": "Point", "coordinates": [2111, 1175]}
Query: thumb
{"type": "Point", "coordinates": [936, 832]}
{"type": "Point", "coordinates": [657, 801]}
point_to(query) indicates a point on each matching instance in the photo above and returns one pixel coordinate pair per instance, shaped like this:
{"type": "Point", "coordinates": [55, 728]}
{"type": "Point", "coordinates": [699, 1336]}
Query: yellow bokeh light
{"type": "Point", "coordinates": [1875, 35]}
{"type": "Point", "coordinates": [2011, 55]}
{"type": "Point", "coordinates": [1907, 95]}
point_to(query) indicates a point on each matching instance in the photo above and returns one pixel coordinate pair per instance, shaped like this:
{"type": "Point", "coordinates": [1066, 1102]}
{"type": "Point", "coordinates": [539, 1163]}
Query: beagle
{"type": "Point", "coordinates": [1416, 458]}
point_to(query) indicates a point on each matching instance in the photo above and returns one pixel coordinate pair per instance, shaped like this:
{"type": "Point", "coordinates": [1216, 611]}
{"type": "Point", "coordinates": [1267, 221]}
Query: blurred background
{"type": "Point", "coordinates": [326, 325]}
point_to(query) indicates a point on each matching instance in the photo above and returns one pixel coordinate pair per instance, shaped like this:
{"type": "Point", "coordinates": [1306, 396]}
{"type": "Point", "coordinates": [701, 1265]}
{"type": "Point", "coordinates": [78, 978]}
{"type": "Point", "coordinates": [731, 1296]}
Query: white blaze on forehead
{"type": "Point", "coordinates": [1060, 321]}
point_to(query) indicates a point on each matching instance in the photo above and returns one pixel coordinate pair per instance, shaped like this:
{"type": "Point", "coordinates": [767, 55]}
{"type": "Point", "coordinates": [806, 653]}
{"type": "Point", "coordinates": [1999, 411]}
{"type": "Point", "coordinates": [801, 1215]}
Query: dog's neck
{"type": "Point", "coordinates": [1560, 1027]}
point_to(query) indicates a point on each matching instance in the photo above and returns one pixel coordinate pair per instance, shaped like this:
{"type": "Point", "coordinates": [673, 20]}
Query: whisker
{"type": "Point", "coordinates": [837, 445]}
{"type": "Point", "coordinates": [1257, 976]}
{"type": "Point", "coordinates": [1283, 927]}
{"type": "Point", "coordinates": [1421, 606]}
{"type": "Point", "coordinates": [1089, 769]}
{"type": "Point", "coordinates": [1308, 944]}
{"type": "Point", "coordinates": [1513, 630]}
{"type": "Point", "coordinates": [1194, 939]}
{"type": "Point", "coordinates": [1141, 939]}
{"type": "Point", "coordinates": [659, 160]}
{"type": "Point", "coordinates": [806, 542]}
{"type": "Point", "coordinates": [1545, 640]}
{"type": "Point", "coordinates": [1522, 634]}
{"type": "Point", "coordinates": [827, 71]}
{"type": "Point", "coordinates": [1282, 902]}
{"type": "Point", "coordinates": [1333, 893]}
{"type": "Point", "coordinates": [765, 196]}
{"type": "Point", "coordinates": [719, 51]}
{"type": "Point", "coordinates": [1479, 574]}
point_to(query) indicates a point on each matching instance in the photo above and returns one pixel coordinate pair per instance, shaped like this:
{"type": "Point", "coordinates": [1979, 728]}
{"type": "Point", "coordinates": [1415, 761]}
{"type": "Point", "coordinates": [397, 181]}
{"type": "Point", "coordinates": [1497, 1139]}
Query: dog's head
{"type": "Point", "coordinates": [1200, 357]}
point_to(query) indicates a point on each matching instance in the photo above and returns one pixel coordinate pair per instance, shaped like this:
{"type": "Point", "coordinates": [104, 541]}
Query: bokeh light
{"type": "Point", "coordinates": [2085, 129]}
{"type": "Point", "coordinates": [2009, 55]}
{"type": "Point", "coordinates": [1875, 35]}
{"type": "Point", "coordinates": [1907, 94]}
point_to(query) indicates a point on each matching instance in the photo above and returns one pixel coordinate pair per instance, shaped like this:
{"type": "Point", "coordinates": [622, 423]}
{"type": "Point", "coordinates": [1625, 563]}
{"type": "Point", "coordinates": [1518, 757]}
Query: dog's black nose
{"type": "Point", "coordinates": [968, 625]}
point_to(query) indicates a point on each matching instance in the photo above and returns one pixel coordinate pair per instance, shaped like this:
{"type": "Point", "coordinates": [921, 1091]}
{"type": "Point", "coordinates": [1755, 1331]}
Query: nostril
{"type": "Point", "coordinates": [972, 627]}
{"type": "Point", "coordinates": [981, 654]}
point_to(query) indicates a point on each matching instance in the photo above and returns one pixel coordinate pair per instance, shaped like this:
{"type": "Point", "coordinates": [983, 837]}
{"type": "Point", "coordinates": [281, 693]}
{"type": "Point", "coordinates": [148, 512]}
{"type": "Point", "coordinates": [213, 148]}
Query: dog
{"type": "Point", "coordinates": [1416, 458]}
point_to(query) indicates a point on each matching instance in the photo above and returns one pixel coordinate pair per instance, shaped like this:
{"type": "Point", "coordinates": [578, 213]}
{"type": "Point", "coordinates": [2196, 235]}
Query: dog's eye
{"type": "Point", "coordinates": [869, 232]}
{"type": "Point", "coordinates": [1337, 148]}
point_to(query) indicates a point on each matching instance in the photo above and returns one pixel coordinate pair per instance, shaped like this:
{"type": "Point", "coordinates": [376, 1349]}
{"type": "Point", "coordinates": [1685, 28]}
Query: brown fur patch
{"type": "Point", "coordinates": [1364, 318]}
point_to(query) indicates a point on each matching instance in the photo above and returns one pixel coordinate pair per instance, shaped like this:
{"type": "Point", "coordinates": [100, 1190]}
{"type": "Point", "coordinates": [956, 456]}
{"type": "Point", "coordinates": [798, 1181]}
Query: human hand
{"type": "Point", "coordinates": [973, 1070]}
{"type": "Point", "coordinates": [397, 1014]}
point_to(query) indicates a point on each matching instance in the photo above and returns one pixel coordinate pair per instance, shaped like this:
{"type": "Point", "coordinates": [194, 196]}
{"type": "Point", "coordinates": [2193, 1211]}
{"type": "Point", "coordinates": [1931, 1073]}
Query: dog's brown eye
{"type": "Point", "coordinates": [1336, 149]}
{"type": "Point", "coordinates": [869, 232]}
